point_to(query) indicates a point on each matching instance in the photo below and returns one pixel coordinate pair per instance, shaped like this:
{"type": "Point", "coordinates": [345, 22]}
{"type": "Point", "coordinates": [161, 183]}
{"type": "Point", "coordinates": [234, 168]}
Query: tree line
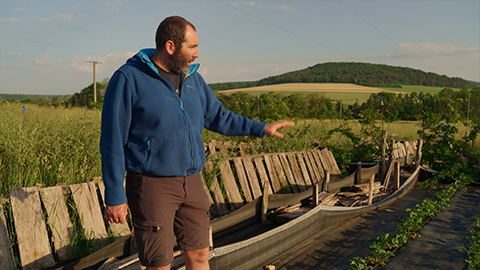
{"type": "Point", "coordinates": [365, 74]}
{"type": "Point", "coordinates": [384, 106]}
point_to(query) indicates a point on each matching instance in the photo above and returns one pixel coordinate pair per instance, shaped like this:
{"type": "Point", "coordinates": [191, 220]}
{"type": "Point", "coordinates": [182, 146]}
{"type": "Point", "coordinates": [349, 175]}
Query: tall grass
{"type": "Point", "coordinates": [58, 145]}
{"type": "Point", "coordinates": [47, 145]}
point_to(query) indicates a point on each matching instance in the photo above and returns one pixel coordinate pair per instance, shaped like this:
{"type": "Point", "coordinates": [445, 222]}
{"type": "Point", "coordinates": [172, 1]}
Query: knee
{"type": "Point", "coordinates": [197, 256]}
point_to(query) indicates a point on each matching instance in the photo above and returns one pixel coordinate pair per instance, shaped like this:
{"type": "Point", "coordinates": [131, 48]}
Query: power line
{"type": "Point", "coordinates": [286, 30]}
{"type": "Point", "coordinates": [383, 34]}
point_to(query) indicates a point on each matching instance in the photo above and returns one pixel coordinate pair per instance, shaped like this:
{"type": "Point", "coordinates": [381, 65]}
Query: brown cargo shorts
{"type": "Point", "coordinates": [163, 208]}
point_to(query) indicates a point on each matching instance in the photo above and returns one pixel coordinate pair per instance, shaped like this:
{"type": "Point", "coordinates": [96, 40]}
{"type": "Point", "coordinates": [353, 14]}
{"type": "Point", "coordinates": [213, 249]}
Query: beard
{"type": "Point", "coordinates": [178, 62]}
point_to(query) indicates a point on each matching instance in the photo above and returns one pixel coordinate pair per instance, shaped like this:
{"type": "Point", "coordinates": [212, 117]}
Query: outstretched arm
{"type": "Point", "coordinates": [271, 129]}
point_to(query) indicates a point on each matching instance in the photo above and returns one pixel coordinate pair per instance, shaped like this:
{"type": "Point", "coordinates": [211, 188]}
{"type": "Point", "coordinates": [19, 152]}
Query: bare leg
{"type": "Point", "coordinates": [197, 259]}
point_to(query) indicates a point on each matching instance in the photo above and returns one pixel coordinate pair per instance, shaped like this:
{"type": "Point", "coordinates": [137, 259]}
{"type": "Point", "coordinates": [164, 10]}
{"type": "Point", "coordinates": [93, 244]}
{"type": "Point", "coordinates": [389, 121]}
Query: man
{"type": "Point", "coordinates": [155, 108]}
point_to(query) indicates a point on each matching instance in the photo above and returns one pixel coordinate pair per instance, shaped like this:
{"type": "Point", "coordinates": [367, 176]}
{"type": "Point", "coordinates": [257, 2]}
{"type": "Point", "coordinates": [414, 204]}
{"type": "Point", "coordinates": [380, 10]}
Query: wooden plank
{"type": "Point", "coordinates": [242, 178]}
{"type": "Point", "coordinates": [242, 148]}
{"type": "Point", "coordinates": [233, 195]}
{"type": "Point", "coordinates": [309, 157]}
{"type": "Point", "coordinates": [296, 172]}
{"type": "Point", "coordinates": [276, 187]}
{"type": "Point", "coordinates": [303, 167]}
{"type": "Point", "coordinates": [117, 229]}
{"type": "Point", "coordinates": [318, 160]}
{"type": "Point", "coordinates": [220, 205]}
{"type": "Point", "coordinates": [333, 166]}
{"type": "Point", "coordinates": [33, 242]}
{"type": "Point", "coordinates": [279, 169]}
{"type": "Point", "coordinates": [263, 174]}
{"type": "Point", "coordinates": [223, 147]}
{"type": "Point", "coordinates": [212, 147]}
{"type": "Point", "coordinates": [288, 171]}
{"type": "Point", "coordinates": [310, 170]}
{"type": "Point", "coordinates": [6, 254]}
{"type": "Point", "coordinates": [88, 208]}
{"type": "Point", "coordinates": [58, 220]}
{"type": "Point", "coordinates": [252, 177]}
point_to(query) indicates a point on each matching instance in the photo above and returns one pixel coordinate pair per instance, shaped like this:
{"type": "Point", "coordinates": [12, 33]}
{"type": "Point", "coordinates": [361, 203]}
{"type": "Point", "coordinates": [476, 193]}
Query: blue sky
{"type": "Point", "coordinates": [46, 46]}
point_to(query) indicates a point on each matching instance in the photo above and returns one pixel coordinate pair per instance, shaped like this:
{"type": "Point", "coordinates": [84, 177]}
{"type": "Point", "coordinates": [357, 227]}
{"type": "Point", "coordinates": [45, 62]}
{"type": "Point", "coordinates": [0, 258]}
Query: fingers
{"type": "Point", "coordinates": [116, 213]}
{"type": "Point", "coordinates": [271, 129]}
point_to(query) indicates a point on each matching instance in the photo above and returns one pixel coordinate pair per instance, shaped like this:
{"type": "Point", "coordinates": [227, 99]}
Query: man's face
{"type": "Point", "coordinates": [183, 57]}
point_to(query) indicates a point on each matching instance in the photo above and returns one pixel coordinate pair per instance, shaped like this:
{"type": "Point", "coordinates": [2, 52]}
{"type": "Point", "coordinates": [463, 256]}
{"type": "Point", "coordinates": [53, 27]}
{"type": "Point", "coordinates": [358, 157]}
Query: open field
{"type": "Point", "coordinates": [417, 88]}
{"type": "Point", "coordinates": [349, 93]}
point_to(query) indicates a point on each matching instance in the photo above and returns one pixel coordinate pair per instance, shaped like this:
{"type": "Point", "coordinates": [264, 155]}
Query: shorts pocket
{"type": "Point", "coordinates": [151, 244]}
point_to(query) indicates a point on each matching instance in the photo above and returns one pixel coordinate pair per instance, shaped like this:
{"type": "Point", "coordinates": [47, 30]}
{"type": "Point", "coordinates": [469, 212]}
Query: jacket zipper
{"type": "Point", "coordinates": [188, 127]}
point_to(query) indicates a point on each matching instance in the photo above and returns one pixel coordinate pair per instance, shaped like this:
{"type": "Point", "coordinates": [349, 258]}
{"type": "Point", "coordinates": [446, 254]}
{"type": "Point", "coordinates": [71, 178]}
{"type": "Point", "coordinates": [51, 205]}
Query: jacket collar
{"type": "Point", "coordinates": [146, 54]}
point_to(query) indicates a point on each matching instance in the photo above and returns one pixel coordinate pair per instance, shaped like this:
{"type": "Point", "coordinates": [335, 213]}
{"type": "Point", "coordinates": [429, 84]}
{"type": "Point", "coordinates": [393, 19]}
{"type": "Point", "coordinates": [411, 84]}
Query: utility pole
{"type": "Point", "coordinates": [94, 80]}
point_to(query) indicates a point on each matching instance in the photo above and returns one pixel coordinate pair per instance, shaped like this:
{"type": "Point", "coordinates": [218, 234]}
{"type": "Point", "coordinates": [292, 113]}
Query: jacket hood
{"type": "Point", "coordinates": [145, 55]}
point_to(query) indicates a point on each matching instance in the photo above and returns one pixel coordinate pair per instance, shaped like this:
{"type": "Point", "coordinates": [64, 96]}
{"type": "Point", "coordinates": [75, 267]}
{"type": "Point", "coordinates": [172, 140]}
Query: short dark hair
{"type": "Point", "coordinates": [172, 28]}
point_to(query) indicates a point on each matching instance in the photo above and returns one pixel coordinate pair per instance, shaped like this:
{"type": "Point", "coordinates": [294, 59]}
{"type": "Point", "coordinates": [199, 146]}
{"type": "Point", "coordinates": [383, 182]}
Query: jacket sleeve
{"type": "Point", "coordinates": [227, 122]}
{"type": "Point", "coordinates": [116, 119]}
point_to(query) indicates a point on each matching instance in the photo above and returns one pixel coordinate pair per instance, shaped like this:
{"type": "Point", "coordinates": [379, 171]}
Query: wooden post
{"type": "Point", "coordinates": [418, 159]}
{"type": "Point", "coordinates": [383, 155]}
{"type": "Point", "coordinates": [265, 202]}
{"type": "Point", "coordinates": [210, 237]}
{"type": "Point", "coordinates": [370, 192]}
{"type": "Point", "coordinates": [315, 195]}
{"type": "Point", "coordinates": [397, 175]}
{"type": "Point", "coordinates": [358, 180]}
{"type": "Point", "coordinates": [393, 150]}
{"type": "Point", "coordinates": [407, 153]}
{"type": "Point", "coordinates": [326, 183]}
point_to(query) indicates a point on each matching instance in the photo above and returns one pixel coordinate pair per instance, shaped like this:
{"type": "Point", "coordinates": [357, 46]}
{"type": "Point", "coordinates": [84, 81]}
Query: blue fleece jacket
{"type": "Point", "coordinates": [148, 128]}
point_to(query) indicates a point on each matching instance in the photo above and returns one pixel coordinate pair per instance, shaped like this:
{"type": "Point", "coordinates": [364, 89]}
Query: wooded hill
{"type": "Point", "coordinates": [366, 74]}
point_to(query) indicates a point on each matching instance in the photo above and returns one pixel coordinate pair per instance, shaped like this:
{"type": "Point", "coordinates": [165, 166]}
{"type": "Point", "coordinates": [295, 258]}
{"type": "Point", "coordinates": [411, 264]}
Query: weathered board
{"type": "Point", "coordinates": [89, 211]}
{"type": "Point", "coordinates": [33, 242]}
{"type": "Point", "coordinates": [296, 172]}
{"type": "Point", "coordinates": [117, 229]}
{"type": "Point", "coordinates": [263, 175]}
{"type": "Point", "coordinates": [233, 195]}
{"type": "Point", "coordinates": [303, 167]}
{"type": "Point", "coordinates": [6, 255]}
{"type": "Point", "coordinates": [276, 187]}
{"type": "Point", "coordinates": [220, 206]}
{"type": "Point", "coordinates": [333, 166]}
{"type": "Point", "coordinates": [309, 157]}
{"type": "Point", "coordinates": [277, 166]}
{"type": "Point", "coordinates": [58, 220]}
{"type": "Point", "coordinates": [252, 177]}
{"type": "Point", "coordinates": [288, 172]}
{"type": "Point", "coordinates": [319, 163]}
{"type": "Point", "coordinates": [242, 178]}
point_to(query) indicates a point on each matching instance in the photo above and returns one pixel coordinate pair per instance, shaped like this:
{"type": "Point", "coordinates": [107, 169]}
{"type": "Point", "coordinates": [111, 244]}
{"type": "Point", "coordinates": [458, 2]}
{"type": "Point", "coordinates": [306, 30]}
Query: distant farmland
{"type": "Point", "coordinates": [349, 93]}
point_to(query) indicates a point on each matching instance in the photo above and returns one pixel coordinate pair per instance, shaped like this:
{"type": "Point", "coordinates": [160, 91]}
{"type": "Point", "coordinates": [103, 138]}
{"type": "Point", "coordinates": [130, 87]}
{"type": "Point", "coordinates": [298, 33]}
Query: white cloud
{"type": "Point", "coordinates": [65, 17]}
{"type": "Point", "coordinates": [432, 49]}
{"type": "Point", "coordinates": [283, 7]}
{"type": "Point", "coordinates": [19, 9]}
{"type": "Point", "coordinates": [42, 59]}
{"type": "Point", "coordinates": [10, 20]}
{"type": "Point", "coordinates": [111, 7]}
{"type": "Point", "coordinates": [250, 3]}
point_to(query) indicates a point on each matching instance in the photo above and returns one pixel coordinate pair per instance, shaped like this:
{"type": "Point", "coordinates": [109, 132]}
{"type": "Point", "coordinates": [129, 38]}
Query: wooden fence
{"type": "Point", "coordinates": [42, 220]}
